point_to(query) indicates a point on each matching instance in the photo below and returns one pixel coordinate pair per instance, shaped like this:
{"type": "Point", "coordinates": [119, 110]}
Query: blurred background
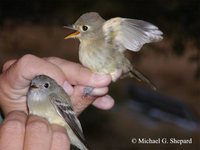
{"type": "Point", "coordinates": [173, 65]}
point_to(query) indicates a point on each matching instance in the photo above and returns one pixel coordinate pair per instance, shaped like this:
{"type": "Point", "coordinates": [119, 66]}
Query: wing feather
{"type": "Point", "coordinates": [66, 111]}
{"type": "Point", "coordinates": [130, 34]}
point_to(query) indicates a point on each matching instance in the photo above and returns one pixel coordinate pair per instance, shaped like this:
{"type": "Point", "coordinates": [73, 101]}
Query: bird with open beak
{"type": "Point", "coordinates": [103, 43]}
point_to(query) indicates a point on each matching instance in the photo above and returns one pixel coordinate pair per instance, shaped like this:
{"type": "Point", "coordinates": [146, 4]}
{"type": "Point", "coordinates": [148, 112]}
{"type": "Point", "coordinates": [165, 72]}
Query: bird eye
{"type": "Point", "coordinates": [85, 28]}
{"type": "Point", "coordinates": [46, 85]}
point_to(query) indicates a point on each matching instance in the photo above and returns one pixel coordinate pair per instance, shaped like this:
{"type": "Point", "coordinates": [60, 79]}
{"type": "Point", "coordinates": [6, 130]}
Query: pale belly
{"type": "Point", "coordinates": [103, 61]}
{"type": "Point", "coordinates": [100, 61]}
{"type": "Point", "coordinates": [47, 112]}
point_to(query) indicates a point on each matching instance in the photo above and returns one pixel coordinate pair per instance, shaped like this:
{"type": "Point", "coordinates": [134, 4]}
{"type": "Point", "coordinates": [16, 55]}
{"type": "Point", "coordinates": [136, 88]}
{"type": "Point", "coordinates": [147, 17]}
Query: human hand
{"type": "Point", "coordinates": [17, 75]}
{"type": "Point", "coordinates": [21, 131]}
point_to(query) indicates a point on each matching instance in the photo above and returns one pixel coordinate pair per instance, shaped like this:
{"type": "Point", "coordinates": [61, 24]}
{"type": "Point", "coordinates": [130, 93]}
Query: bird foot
{"type": "Point", "coordinates": [87, 91]}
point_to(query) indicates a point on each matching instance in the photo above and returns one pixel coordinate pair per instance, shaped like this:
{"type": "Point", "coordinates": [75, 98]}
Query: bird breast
{"type": "Point", "coordinates": [103, 58]}
{"type": "Point", "coordinates": [96, 56]}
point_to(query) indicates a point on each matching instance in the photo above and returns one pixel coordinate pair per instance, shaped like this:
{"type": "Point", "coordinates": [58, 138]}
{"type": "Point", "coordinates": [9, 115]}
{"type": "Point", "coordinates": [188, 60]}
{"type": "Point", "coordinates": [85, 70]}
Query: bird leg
{"type": "Point", "coordinates": [87, 91]}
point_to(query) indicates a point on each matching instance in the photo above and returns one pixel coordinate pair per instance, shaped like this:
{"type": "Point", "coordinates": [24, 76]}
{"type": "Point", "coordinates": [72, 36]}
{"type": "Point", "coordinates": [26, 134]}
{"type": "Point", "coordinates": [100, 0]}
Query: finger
{"type": "Point", "coordinates": [68, 88]}
{"type": "Point", "coordinates": [38, 134]}
{"type": "Point", "coordinates": [79, 101]}
{"type": "Point", "coordinates": [105, 102]}
{"type": "Point", "coordinates": [8, 64]}
{"type": "Point", "coordinates": [18, 77]}
{"type": "Point", "coordinates": [60, 140]}
{"type": "Point", "coordinates": [12, 131]}
{"type": "Point", "coordinates": [29, 66]}
{"type": "Point", "coordinates": [95, 92]}
{"type": "Point", "coordinates": [99, 91]}
{"type": "Point", "coordinates": [78, 75]}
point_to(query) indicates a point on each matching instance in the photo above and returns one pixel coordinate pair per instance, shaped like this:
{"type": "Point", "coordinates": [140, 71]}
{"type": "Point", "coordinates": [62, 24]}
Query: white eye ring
{"type": "Point", "coordinates": [84, 28]}
{"type": "Point", "coordinates": [46, 85]}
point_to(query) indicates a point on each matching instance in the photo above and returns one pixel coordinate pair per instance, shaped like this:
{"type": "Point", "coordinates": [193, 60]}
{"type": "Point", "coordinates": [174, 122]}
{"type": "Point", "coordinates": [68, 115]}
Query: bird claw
{"type": "Point", "coordinates": [87, 91]}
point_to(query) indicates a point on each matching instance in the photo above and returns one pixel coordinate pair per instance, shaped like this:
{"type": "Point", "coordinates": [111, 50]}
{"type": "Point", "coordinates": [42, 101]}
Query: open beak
{"type": "Point", "coordinates": [72, 35]}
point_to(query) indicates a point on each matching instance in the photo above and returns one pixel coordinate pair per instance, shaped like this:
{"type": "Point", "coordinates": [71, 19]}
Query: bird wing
{"type": "Point", "coordinates": [130, 34]}
{"type": "Point", "coordinates": [66, 111]}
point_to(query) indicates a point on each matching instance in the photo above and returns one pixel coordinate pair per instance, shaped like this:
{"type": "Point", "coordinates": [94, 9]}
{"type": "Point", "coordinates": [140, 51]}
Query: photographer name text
{"type": "Point", "coordinates": [161, 141]}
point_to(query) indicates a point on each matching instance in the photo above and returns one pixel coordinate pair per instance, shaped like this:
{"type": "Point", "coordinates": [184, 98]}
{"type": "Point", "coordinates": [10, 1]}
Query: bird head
{"type": "Point", "coordinates": [88, 26]}
{"type": "Point", "coordinates": [42, 85]}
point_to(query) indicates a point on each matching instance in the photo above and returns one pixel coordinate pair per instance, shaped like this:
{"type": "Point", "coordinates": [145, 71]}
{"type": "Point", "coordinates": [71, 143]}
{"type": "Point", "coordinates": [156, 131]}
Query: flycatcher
{"type": "Point", "coordinates": [48, 100]}
{"type": "Point", "coordinates": [102, 43]}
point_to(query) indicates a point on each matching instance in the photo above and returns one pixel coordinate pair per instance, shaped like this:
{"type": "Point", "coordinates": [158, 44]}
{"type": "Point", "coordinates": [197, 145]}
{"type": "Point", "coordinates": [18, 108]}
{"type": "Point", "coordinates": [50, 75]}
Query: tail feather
{"type": "Point", "coordinates": [140, 77]}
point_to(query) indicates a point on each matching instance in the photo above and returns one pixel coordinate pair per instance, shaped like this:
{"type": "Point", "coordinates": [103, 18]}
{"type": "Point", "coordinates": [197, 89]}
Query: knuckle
{"type": "Point", "coordinates": [12, 126]}
{"type": "Point", "coordinates": [84, 72]}
{"type": "Point", "coordinates": [57, 61]}
{"type": "Point", "coordinates": [51, 59]}
{"type": "Point", "coordinates": [25, 62]}
{"type": "Point", "coordinates": [26, 59]}
{"type": "Point", "coordinates": [6, 64]}
{"type": "Point", "coordinates": [38, 126]}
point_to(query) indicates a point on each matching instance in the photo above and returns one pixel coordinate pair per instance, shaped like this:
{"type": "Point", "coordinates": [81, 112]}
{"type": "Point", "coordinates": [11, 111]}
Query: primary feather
{"type": "Point", "coordinates": [103, 43]}
{"type": "Point", "coordinates": [130, 34]}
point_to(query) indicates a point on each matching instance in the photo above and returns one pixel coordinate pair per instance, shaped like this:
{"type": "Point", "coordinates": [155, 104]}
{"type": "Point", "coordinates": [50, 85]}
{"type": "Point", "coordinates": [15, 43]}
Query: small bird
{"type": "Point", "coordinates": [48, 100]}
{"type": "Point", "coordinates": [103, 43]}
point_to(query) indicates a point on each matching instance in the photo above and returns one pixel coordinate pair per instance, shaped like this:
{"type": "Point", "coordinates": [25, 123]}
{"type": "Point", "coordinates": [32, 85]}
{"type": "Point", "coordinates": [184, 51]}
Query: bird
{"type": "Point", "coordinates": [103, 43]}
{"type": "Point", "coordinates": [47, 99]}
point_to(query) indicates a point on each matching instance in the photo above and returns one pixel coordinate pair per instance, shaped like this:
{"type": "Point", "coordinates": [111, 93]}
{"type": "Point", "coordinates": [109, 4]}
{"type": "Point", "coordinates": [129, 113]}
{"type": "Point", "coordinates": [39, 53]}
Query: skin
{"type": "Point", "coordinates": [14, 83]}
{"type": "Point", "coordinates": [17, 75]}
{"type": "Point", "coordinates": [21, 131]}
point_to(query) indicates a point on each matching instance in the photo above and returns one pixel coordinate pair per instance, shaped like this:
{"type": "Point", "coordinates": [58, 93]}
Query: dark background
{"type": "Point", "coordinates": [173, 65]}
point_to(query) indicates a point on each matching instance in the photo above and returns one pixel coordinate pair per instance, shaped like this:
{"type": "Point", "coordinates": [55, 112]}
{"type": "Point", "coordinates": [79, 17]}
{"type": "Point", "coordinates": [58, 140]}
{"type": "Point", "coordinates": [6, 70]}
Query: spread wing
{"type": "Point", "coordinates": [65, 110]}
{"type": "Point", "coordinates": [130, 34]}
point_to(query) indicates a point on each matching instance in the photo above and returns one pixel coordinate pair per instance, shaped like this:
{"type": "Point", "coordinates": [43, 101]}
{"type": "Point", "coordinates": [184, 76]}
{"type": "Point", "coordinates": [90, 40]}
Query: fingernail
{"type": "Point", "coordinates": [68, 88]}
{"type": "Point", "coordinates": [106, 102]}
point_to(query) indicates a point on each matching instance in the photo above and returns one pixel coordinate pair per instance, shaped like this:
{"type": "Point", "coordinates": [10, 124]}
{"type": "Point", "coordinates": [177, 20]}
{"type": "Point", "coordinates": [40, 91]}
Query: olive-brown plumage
{"type": "Point", "coordinates": [47, 99]}
{"type": "Point", "coordinates": [102, 43]}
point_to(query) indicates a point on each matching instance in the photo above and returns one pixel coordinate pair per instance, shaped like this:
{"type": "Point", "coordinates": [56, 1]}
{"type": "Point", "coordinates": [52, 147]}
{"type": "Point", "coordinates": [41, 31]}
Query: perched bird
{"type": "Point", "coordinates": [48, 100]}
{"type": "Point", "coordinates": [102, 43]}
